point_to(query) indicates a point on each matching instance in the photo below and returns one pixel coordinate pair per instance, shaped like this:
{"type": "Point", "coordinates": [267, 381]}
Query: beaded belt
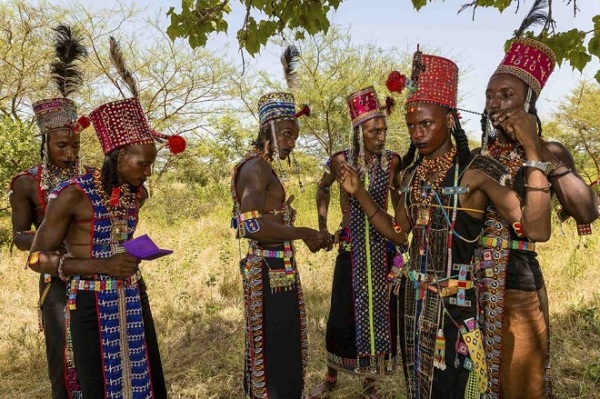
{"type": "Point", "coordinates": [495, 242]}
{"type": "Point", "coordinates": [268, 253]}
{"type": "Point", "coordinates": [104, 285]}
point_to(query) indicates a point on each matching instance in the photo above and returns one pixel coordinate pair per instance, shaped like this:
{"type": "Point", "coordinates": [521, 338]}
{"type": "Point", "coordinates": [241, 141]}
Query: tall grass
{"type": "Point", "coordinates": [197, 304]}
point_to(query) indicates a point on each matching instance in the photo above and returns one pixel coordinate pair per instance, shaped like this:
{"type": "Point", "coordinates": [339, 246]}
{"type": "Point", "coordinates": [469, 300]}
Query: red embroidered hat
{"type": "Point", "coordinates": [436, 80]}
{"type": "Point", "coordinates": [121, 123]}
{"type": "Point", "coordinates": [364, 105]}
{"type": "Point", "coordinates": [58, 113]}
{"type": "Point", "coordinates": [530, 61]}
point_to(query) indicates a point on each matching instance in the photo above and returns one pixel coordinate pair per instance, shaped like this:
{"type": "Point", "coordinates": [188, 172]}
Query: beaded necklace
{"type": "Point", "coordinates": [52, 175]}
{"type": "Point", "coordinates": [118, 204]}
{"type": "Point", "coordinates": [429, 175]}
{"type": "Point", "coordinates": [508, 154]}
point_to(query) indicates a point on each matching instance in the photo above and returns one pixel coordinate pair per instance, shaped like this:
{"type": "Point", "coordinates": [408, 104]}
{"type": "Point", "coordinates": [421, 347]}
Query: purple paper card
{"type": "Point", "coordinates": [144, 248]}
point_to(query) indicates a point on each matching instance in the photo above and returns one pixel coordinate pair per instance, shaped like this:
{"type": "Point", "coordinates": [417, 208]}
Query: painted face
{"type": "Point", "coordinates": [63, 147]}
{"type": "Point", "coordinates": [374, 134]}
{"type": "Point", "coordinates": [503, 92]}
{"type": "Point", "coordinates": [134, 164]}
{"type": "Point", "coordinates": [286, 135]}
{"type": "Point", "coordinates": [428, 128]}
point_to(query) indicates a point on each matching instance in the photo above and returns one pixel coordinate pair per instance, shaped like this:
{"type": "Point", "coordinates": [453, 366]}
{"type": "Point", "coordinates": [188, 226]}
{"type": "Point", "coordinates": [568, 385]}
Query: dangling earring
{"type": "Point", "coordinates": [45, 175]}
{"type": "Point", "coordinates": [297, 170]}
{"type": "Point", "coordinates": [361, 150]}
{"type": "Point", "coordinates": [527, 104]}
{"type": "Point", "coordinates": [282, 174]}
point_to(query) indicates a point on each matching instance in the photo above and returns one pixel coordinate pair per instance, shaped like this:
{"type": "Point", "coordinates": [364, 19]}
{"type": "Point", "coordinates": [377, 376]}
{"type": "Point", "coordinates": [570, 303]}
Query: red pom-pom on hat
{"type": "Point", "coordinates": [176, 144]}
{"type": "Point", "coordinates": [81, 124]}
{"type": "Point", "coordinates": [395, 82]}
{"type": "Point", "coordinates": [304, 111]}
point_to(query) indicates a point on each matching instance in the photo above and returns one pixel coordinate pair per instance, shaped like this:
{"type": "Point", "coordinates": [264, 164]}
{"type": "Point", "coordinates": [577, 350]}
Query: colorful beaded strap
{"type": "Point", "coordinates": [268, 253]}
{"type": "Point", "coordinates": [112, 284]}
{"type": "Point", "coordinates": [495, 242]}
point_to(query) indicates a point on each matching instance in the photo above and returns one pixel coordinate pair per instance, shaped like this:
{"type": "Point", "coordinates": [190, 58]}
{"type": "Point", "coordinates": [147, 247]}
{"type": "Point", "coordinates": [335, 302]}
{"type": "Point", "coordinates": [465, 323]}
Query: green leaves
{"type": "Point", "coordinates": [198, 19]}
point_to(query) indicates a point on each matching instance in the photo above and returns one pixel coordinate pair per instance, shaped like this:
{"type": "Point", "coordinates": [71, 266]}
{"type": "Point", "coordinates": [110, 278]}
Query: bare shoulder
{"type": "Point", "coordinates": [70, 195]}
{"type": "Point", "coordinates": [254, 175]}
{"type": "Point", "coordinates": [558, 149]}
{"type": "Point", "coordinates": [23, 184]}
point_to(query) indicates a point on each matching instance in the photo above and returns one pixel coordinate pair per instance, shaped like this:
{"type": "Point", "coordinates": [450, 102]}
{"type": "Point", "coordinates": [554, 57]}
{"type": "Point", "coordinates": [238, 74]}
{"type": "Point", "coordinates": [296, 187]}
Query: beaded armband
{"type": "Point", "coordinates": [248, 221]}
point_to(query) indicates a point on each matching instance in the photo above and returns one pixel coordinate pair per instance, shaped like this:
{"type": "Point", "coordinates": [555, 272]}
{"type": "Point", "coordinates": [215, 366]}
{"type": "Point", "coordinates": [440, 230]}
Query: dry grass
{"type": "Point", "coordinates": [197, 305]}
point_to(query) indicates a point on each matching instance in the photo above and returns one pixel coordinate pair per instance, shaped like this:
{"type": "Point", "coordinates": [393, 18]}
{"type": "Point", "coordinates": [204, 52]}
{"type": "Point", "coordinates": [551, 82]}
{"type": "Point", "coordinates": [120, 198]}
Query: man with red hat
{"type": "Point", "coordinates": [361, 328]}
{"type": "Point", "coordinates": [443, 194]}
{"type": "Point", "coordinates": [276, 344]}
{"type": "Point", "coordinates": [515, 313]}
{"type": "Point", "coordinates": [60, 129]}
{"type": "Point", "coordinates": [113, 335]}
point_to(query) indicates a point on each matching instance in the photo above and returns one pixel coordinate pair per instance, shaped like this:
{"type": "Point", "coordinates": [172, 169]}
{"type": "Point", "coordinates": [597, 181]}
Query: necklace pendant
{"type": "Point", "coordinates": [422, 216]}
{"type": "Point", "coordinates": [513, 154]}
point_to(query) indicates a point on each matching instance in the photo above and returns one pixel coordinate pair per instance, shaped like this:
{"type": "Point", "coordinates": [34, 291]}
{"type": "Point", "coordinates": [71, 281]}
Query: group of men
{"type": "Point", "coordinates": [95, 314]}
{"type": "Point", "coordinates": [461, 304]}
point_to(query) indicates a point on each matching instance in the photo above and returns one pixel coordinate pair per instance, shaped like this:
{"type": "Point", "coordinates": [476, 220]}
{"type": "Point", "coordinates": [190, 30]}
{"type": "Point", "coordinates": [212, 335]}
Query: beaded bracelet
{"type": "Point", "coordinates": [546, 189]}
{"type": "Point", "coordinates": [558, 175]}
{"type": "Point", "coordinates": [59, 269]}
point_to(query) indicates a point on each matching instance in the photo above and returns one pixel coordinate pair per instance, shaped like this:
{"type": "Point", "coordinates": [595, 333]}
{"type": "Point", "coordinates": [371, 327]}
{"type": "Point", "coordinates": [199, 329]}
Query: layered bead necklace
{"type": "Point", "coordinates": [118, 205]}
{"type": "Point", "coordinates": [508, 154]}
{"type": "Point", "coordinates": [429, 175]}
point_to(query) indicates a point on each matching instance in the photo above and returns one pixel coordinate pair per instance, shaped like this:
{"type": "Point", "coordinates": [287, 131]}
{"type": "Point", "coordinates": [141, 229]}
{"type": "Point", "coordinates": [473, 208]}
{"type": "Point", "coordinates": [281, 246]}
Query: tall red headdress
{"type": "Point", "coordinates": [364, 105]}
{"type": "Point", "coordinates": [123, 122]}
{"type": "Point", "coordinates": [436, 80]}
{"type": "Point", "coordinates": [529, 60]}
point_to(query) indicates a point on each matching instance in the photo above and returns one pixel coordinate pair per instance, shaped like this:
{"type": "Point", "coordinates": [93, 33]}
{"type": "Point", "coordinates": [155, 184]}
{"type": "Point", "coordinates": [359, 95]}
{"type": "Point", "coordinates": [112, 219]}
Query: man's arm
{"type": "Point", "coordinates": [521, 126]}
{"type": "Point", "coordinates": [395, 186]}
{"type": "Point", "coordinates": [575, 196]}
{"type": "Point", "coordinates": [255, 176]}
{"type": "Point", "coordinates": [61, 211]}
{"type": "Point", "coordinates": [533, 213]}
{"type": "Point", "coordinates": [382, 221]}
{"type": "Point", "coordinates": [22, 211]}
{"type": "Point", "coordinates": [323, 198]}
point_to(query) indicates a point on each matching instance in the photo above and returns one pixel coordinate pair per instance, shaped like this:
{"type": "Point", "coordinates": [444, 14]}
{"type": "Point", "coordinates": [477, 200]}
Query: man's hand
{"type": "Point", "coordinates": [326, 238]}
{"type": "Point", "coordinates": [517, 124]}
{"type": "Point", "coordinates": [313, 240]}
{"type": "Point", "coordinates": [349, 179]}
{"type": "Point", "coordinates": [121, 265]}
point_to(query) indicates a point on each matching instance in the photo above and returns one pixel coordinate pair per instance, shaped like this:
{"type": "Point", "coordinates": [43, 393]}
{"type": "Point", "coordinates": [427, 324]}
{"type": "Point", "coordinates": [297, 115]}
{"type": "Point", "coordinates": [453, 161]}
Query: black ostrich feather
{"type": "Point", "coordinates": [537, 15]}
{"type": "Point", "coordinates": [65, 70]}
{"type": "Point", "coordinates": [289, 60]}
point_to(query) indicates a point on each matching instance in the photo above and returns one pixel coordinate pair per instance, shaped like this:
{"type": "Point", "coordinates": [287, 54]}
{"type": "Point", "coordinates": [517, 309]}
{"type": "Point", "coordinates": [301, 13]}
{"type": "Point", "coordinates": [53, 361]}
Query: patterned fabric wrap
{"type": "Point", "coordinates": [54, 113]}
{"type": "Point", "coordinates": [437, 81]}
{"type": "Point", "coordinates": [490, 267]}
{"type": "Point", "coordinates": [121, 123]}
{"type": "Point", "coordinates": [276, 107]}
{"type": "Point", "coordinates": [529, 60]}
{"type": "Point", "coordinates": [364, 105]}
{"type": "Point", "coordinates": [369, 274]}
{"type": "Point", "coordinates": [254, 286]}
{"type": "Point", "coordinates": [125, 358]}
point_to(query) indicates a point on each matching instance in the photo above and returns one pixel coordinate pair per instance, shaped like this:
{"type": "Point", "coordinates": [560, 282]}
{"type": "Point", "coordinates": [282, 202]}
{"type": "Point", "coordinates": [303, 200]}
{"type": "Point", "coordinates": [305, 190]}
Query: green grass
{"type": "Point", "coordinates": [196, 299]}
